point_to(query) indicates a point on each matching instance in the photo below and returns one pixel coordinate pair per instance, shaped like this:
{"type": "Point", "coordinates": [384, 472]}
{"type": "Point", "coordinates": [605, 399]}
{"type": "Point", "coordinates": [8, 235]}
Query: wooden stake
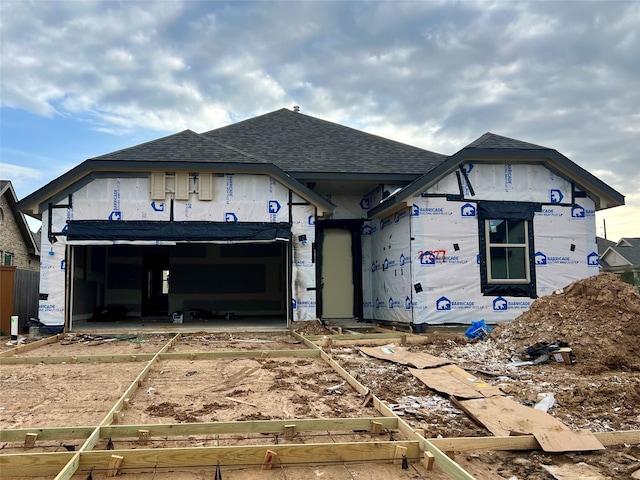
{"type": "Point", "coordinates": [143, 436]}
{"type": "Point", "coordinates": [30, 440]}
{"type": "Point", "coordinates": [116, 417]}
{"type": "Point", "coordinates": [289, 431]}
{"type": "Point", "coordinates": [269, 458]}
{"type": "Point", "coordinates": [428, 460]}
{"type": "Point", "coordinates": [376, 427]}
{"type": "Point", "coordinates": [368, 398]}
{"type": "Point", "coordinates": [114, 465]}
{"type": "Point", "coordinates": [399, 453]}
{"type": "Point", "coordinates": [126, 404]}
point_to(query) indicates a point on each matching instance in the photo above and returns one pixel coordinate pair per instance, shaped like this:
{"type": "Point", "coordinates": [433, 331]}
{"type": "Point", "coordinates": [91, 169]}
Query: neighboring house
{"type": "Point", "coordinates": [17, 243]}
{"type": "Point", "coordinates": [623, 258]}
{"type": "Point", "coordinates": [292, 217]}
{"type": "Point", "coordinates": [19, 262]}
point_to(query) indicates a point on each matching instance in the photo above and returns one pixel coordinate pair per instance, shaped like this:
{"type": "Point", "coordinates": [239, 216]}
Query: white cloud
{"type": "Point", "coordinates": [432, 74]}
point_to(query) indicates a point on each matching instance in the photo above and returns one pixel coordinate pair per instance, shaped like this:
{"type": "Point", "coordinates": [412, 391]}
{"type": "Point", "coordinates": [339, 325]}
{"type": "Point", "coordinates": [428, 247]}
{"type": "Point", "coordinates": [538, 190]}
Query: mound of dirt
{"type": "Point", "coordinates": [598, 316]}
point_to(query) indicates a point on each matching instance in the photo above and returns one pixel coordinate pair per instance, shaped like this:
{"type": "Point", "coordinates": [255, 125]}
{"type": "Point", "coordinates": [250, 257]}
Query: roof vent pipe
{"type": "Point", "coordinates": [296, 108]}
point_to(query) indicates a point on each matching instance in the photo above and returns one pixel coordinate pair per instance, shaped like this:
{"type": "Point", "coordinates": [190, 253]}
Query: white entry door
{"type": "Point", "coordinates": [337, 274]}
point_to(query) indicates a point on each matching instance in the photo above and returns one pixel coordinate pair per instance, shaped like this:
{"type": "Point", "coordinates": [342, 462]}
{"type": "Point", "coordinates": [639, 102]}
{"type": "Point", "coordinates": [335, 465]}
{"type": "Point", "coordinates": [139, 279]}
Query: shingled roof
{"type": "Point", "coordinates": [300, 143]}
{"type": "Point", "coordinates": [186, 146]}
{"type": "Point", "coordinates": [496, 142]}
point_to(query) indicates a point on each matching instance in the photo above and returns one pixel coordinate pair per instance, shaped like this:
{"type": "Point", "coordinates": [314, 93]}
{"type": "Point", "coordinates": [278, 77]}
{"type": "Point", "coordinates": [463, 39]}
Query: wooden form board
{"type": "Point", "coordinates": [404, 357]}
{"type": "Point", "coordinates": [162, 356]}
{"type": "Point", "coordinates": [452, 380]}
{"type": "Point", "coordinates": [502, 416]}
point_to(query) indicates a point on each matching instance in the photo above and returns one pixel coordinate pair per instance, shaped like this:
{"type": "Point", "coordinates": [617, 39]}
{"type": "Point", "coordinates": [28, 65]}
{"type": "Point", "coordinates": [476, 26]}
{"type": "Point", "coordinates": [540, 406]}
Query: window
{"type": "Point", "coordinates": [507, 251]}
{"type": "Point", "coordinates": [507, 248]}
{"type": "Point", "coordinates": [7, 258]}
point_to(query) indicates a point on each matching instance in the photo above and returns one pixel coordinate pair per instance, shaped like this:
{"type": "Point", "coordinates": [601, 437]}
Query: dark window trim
{"type": "Point", "coordinates": [507, 211]}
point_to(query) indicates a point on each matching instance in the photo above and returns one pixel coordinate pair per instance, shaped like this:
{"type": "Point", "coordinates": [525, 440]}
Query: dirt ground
{"type": "Point", "coordinates": [598, 317]}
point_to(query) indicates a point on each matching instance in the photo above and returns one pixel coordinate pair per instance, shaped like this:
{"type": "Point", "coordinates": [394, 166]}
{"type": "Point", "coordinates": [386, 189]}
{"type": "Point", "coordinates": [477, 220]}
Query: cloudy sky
{"type": "Point", "coordinates": [80, 79]}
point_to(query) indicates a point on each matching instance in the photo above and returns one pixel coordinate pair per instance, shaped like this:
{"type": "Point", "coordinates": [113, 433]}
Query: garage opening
{"type": "Point", "coordinates": [198, 283]}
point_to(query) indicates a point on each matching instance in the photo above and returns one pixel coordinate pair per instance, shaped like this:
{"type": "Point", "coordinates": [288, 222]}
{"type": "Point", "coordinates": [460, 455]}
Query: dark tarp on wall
{"type": "Point", "coordinates": [176, 231]}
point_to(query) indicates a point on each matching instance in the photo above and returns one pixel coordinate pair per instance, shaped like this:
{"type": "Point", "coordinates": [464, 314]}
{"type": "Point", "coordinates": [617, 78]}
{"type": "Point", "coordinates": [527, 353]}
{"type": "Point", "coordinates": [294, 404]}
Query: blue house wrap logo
{"type": "Point", "coordinates": [468, 210]}
{"type": "Point", "coordinates": [499, 303]}
{"type": "Point", "coordinates": [541, 258]}
{"type": "Point", "coordinates": [593, 260]}
{"type": "Point", "coordinates": [394, 303]}
{"type": "Point", "coordinates": [415, 210]}
{"type": "Point", "coordinates": [375, 266]}
{"type": "Point", "coordinates": [443, 304]}
{"type": "Point", "coordinates": [294, 303]}
{"type": "Point", "coordinates": [116, 215]}
{"type": "Point", "coordinates": [403, 259]}
{"type": "Point", "coordinates": [378, 303]}
{"type": "Point", "coordinates": [311, 220]}
{"type": "Point", "coordinates": [467, 168]}
{"type": "Point", "coordinates": [274, 206]}
{"type": "Point", "coordinates": [428, 258]}
{"type": "Point", "coordinates": [157, 207]}
{"type": "Point", "coordinates": [555, 196]}
{"type": "Point", "coordinates": [230, 217]}
{"type": "Point", "coordinates": [577, 211]}
{"type": "Point", "coordinates": [407, 303]}
{"type": "Point", "coordinates": [365, 203]}
{"type": "Point", "coordinates": [366, 230]}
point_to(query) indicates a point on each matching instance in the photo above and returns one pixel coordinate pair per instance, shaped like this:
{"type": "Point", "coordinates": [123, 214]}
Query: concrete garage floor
{"type": "Point", "coordinates": [155, 324]}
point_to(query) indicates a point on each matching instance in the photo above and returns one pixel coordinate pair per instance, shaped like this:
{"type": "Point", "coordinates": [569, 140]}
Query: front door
{"type": "Point", "coordinates": [337, 274]}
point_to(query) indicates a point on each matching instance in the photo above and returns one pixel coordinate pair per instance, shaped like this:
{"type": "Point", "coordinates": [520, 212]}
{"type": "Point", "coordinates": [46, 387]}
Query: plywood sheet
{"type": "Point", "coordinates": [453, 380]}
{"type": "Point", "coordinates": [404, 357]}
{"type": "Point", "coordinates": [502, 416]}
{"type": "Point", "coordinates": [567, 440]}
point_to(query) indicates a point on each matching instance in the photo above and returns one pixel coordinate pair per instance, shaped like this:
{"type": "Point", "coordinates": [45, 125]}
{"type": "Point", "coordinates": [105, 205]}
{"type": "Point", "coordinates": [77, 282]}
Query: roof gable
{"type": "Point", "coordinates": [296, 142]}
{"type": "Point", "coordinates": [28, 237]}
{"type": "Point", "coordinates": [627, 248]}
{"type": "Point", "coordinates": [183, 150]}
{"type": "Point", "coordinates": [491, 148]}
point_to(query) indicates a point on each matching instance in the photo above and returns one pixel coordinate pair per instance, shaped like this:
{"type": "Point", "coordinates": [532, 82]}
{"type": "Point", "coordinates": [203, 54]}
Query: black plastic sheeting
{"type": "Point", "coordinates": [176, 231]}
{"type": "Point", "coordinates": [508, 210]}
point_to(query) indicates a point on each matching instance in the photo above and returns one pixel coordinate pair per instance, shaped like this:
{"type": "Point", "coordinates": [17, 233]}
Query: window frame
{"type": "Point", "coordinates": [11, 258]}
{"type": "Point", "coordinates": [497, 210]}
{"type": "Point", "coordinates": [525, 246]}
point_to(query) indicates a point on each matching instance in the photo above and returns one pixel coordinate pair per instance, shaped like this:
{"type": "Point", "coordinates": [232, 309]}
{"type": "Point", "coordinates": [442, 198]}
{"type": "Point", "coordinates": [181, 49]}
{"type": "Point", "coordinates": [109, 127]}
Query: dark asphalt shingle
{"type": "Point", "coordinates": [492, 141]}
{"type": "Point", "coordinates": [186, 146]}
{"type": "Point", "coordinates": [300, 143]}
